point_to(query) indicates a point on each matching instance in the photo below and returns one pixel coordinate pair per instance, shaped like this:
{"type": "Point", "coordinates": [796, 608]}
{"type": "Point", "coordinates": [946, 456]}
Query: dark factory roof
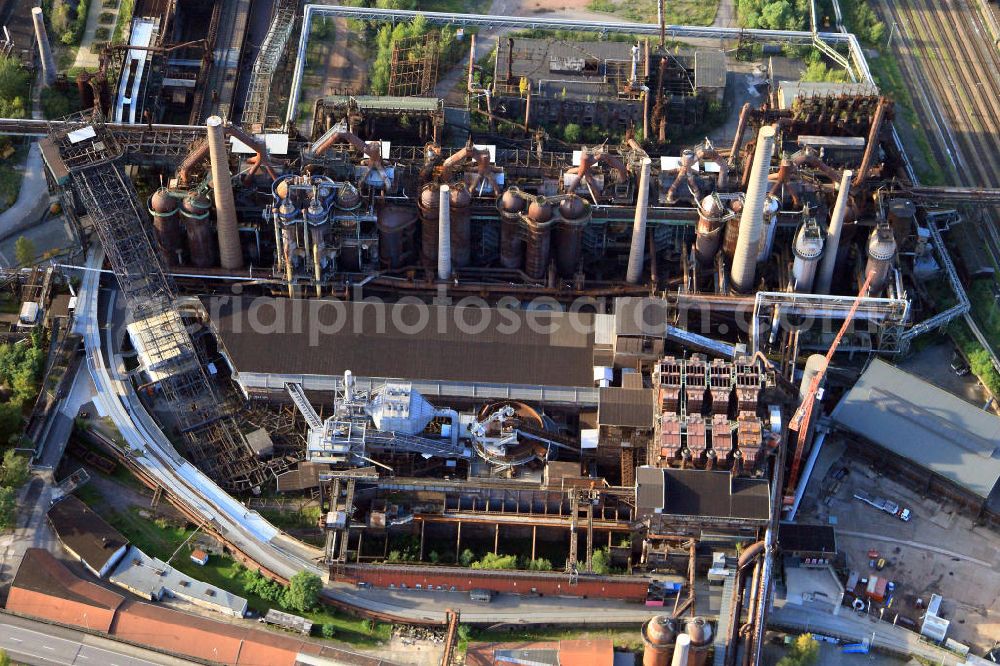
{"type": "Point", "coordinates": [632, 408]}
{"type": "Point", "coordinates": [405, 341]}
{"type": "Point", "coordinates": [85, 533]}
{"type": "Point", "coordinates": [696, 492]}
{"type": "Point", "coordinates": [812, 540]}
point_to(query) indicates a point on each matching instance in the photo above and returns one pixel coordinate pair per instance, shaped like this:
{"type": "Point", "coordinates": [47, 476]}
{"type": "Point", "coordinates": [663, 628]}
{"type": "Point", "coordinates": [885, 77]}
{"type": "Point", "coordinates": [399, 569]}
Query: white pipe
{"type": "Point", "coordinates": [824, 280]}
{"type": "Point", "coordinates": [744, 267]}
{"type": "Point", "coordinates": [44, 48]}
{"type": "Point", "coordinates": [635, 255]}
{"type": "Point", "coordinates": [444, 233]}
{"type": "Point", "coordinates": [682, 648]}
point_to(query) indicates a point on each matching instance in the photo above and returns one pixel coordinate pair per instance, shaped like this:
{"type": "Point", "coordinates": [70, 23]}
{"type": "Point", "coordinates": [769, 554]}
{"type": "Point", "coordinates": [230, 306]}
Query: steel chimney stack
{"type": "Point", "coordinates": [444, 233]}
{"type": "Point", "coordinates": [635, 256]}
{"type": "Point", "coordinates": [230, 250]}
{"type": "Point", "coordinates": [824, 279]}
{"type": "Point", "coordinates": [44, 48]}
{"type": "Point", "coordinates": [744, 266]}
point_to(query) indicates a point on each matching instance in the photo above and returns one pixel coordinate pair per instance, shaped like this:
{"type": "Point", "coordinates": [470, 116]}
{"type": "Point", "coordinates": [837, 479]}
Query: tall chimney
{"type": "Point", "coordinates": [681, 649]}
{"type": "Point", "coordinates": [744, 266]}
{"type": "Point", "coordinates": [635, 254]}
{"type": "Point", "coordinates": [44, 49]}
{"type": "Point", "coordinates": [444, 233]}
{"type": "Point", "coordinates": [230, 250]}
{"type": "Point", "coordinates": [824, 279]}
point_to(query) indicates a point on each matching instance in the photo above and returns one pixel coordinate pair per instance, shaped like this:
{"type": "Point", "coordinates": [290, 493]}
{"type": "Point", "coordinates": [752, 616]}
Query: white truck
{"type": "Point", "coordinates": [883, 504]}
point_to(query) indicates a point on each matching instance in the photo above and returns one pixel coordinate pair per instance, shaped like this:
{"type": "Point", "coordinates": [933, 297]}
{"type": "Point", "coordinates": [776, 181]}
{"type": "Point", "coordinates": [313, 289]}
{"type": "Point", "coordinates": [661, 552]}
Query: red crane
{"type": "Point", "coordinates": [803, 415]}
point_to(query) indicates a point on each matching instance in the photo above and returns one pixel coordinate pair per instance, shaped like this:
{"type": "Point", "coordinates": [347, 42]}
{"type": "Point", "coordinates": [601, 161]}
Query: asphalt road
{"type": "Point", "coordinates": [31, 642]}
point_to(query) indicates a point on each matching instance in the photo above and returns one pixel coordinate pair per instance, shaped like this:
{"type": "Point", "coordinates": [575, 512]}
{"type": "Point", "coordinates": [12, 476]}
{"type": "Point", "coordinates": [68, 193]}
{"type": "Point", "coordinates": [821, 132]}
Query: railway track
{"type": "Point", "coordinates": [953, 68]}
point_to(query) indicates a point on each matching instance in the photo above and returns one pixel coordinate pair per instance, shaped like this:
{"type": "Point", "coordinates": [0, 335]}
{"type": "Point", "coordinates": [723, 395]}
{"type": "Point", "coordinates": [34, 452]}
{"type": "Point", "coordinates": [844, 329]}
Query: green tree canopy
{"type": "Point", "coordinates": [600, 562]}
{"type": "Point", "coordinates": [804, 652]}
{"type": "Point", "coordinates": [14, 84]}
{"type": "Point", "coordinates": [24, 251]}
{"type": "Point", "coordinates": [14, 471]}
{"type": "Point", "coordinates": [303, 592]}
{"type": "Point", "coordinates": [10, 421]}
{"type": "Point", "coordinates": [572, 133]}
{"type": "Point", "coordinates": [8, 507]}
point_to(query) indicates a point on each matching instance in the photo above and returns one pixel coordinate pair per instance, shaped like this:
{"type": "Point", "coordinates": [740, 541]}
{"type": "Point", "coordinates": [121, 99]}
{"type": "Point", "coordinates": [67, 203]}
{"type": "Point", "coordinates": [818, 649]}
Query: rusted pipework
{"type": "Point", "coordinates": [484, 167]}
{"type": "Point", "coordinates": [686, 173]}
{"type": "Point", "coordinates": [748, 555]}
{"type": "Point", "coordinates": [873, 134]}
{"type": "Point", "coordinates": [741, 127]}
{"type": "Point", "coordinates": [588, 160]}
{"type": "Point", "coordinates": [708, 153]}
{"type": "Point", "coordinates": [200, 152]}
{"type": "Point", "coordinates": [810, 158]}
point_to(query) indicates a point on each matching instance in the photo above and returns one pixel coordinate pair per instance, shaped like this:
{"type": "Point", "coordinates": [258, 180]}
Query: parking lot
{"type": "Point", "coordinates": [936, 551]}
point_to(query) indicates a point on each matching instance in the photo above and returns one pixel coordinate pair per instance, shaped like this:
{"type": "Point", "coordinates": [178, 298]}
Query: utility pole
{"type": "Point", "coordinates": [663, 22]}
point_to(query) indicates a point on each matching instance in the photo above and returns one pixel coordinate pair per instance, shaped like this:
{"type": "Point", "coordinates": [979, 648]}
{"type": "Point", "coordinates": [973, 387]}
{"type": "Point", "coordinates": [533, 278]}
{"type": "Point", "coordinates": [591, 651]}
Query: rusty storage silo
{"type": "Point", "coordinates": [658, 637]}
{"type": "Point", "coordinates": [85, 90]}
{"type": "Point", "coordinates": [163, 208]}
{"type": "Point", "coordinates": [201, 240]}
{"type": "Point", "coordinates": [881, 250]}
{"type": "Point", "coordinates": [700, 631]}
{"type": "Point", "coordinates": [511, 205]}
{"type": "Point", "coordinates": [574, 215]}
{"type": "Point", "coordinates": [708, 231]}
{"type": "Point", "coordinates": [538, 225]}
{"type": "Point", "coordinates": [396, 227]}
{"type": "Point", "coordinates": [428, 204]}
{"type": "Point", "coordinates": [732, 233]}
{"type": "Point", "coordinates": [807, 249]}
{"type": "Point", "coordinates": [288, 216]}
{"type": "Point", "coordinates": [461, 225]}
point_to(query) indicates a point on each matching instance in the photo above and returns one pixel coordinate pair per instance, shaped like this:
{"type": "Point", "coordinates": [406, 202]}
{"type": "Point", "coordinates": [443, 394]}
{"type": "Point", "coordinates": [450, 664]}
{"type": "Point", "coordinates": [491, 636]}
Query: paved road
{"type": "Point", "coordinates": [33, 642]}
{"type": "Point", "coordinates": [31, 202]}
{"type": "Point", "coordinates": [84, 56]}
{"type": "Point", "coordinates": [920, 546]}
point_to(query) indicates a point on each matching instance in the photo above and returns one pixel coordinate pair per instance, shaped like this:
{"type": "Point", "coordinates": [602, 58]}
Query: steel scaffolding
{"type": "Point", "coordinates": [259, 92]}
{"type": "Point", "coordinates": [210, 435]}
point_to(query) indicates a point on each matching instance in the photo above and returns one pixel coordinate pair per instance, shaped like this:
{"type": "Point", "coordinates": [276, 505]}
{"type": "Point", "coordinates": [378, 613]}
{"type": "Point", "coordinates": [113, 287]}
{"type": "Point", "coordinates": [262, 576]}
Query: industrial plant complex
{"type": "Point", "coordinates": [487, 323]}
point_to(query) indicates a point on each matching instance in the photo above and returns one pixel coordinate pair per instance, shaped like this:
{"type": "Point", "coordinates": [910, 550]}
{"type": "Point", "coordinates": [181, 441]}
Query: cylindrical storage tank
{"type": "Point", "coordinates": [732, 233]}
{"type": "Point", "coordinates": [771, 207]}
{"type": "Point", "coordinates": [538, 224]}
{"type": "Point", "coordinates": [575, 214]}
{"type": "Point", "coordinates": [396, 225]}
{"type": "Point", "coordinates": [511, 205]}
{"type": "Point", "coordinates": [658, 637]}
{"type": "Point", "coordinates": [287, 212]}
{"type": "Point", "coordinates": [637, 248]}
{"type": "Point", "coordinates": [280, 188]}
{"type": "Point", "coordinates": [85, 90]}
{"type": "Point", "coordinates": [444, 262]}
{"type": "Point", "coordinates": [815, 364]}
{"type": "Point", "coordinates": [201, 240]}
{"type": "Point", "coordinates": [700, 632]}
{"type": "Point", "coordinates": [828, 265]}
{"type": "Point", "coordinates": [428, 204]}
{"type": "Point", "coordinates": [709, 228]}
{"type": "Point", "coordinates": [163, 208]}
{"type": "Point", "coordinates": [347, 197]}
{"type": "Point", "coordinates": [461, 225]}
{"type": "Point", "coordinates": [881, 250]}
{"type": "Point", "coordinates": [807, 249]}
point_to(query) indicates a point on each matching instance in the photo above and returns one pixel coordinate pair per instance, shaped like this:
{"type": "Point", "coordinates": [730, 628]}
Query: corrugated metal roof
{"type": "Point", "coordinates": [632, 408]}
{"type": "Point", "coordinates": [286, 336]}
{"type": "Point", "coordinates": [920, 422]}
{"type": "Point", "coordinates": [639, 315]}
{"type": "Point", "coordinates": [710, 69]}
{"type": "Point", "coordinates": [698, 492]}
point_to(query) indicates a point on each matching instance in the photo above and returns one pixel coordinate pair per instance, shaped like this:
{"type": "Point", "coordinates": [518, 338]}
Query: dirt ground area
{"type": "Point", "coordinates": [937, 551]}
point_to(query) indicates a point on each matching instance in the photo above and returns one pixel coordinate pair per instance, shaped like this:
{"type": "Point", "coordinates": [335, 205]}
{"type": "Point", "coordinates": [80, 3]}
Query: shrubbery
{"type": "Point", "coordinates": [15, 82]}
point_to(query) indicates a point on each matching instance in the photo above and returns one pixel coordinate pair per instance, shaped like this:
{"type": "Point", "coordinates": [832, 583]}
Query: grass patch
{"type": "Point", "coordinates": [979, 358]}
{"type": "Point", "coordinates": [984, 308]}
{"type": "Point", "coordinates": [679, 12]}
{"type": "Point", "coordinates": [455, 6]}
{"type": "Point", "coordinates": [306, 518]}
{"type": "Point", "coordinates": [887, 75]}
{"type": "Point", "coordinates": [160, 538]}
{"type": "Point", "coordinates": [10, 187]}
{"type": "Point", "coordinates": [124, 20]}
{"type": "Point", "coordinates": [58, 102]}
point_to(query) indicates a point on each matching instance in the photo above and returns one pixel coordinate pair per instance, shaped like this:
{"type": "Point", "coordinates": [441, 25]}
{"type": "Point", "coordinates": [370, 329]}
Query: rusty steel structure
{"type": "Point", "coordinates": [413, 66]}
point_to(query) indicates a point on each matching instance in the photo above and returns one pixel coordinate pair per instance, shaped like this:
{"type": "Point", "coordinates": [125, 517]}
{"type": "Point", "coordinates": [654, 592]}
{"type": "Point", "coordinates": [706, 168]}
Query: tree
{"type": "Point", "coordinates": [10, 421]}
{"type": "Point", "coordinates": [804, 652]}
{"type": "Point", "coordinates": [14, 83]}
{"type": "Point", "coordinates": [4, 658]}
{"type": "Point", "coordinates": [466, 558]}
{"type": "Point", "coordinates": [540, 564]}
{"type": "Point", "coordinates": [24, 251]}
{"type": "Point", "coordinates": [329, 631]}
{"type": "Point", "coordinates": [303, 591]}
{"type": "Point", "coordinates": [8, 507]}
{"type": "Point", "coordinates": [572, 133]}
{"type": "Point", "coordinates": [14, 471]}
{"type": "Point", "coordinates": [600, 562]}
